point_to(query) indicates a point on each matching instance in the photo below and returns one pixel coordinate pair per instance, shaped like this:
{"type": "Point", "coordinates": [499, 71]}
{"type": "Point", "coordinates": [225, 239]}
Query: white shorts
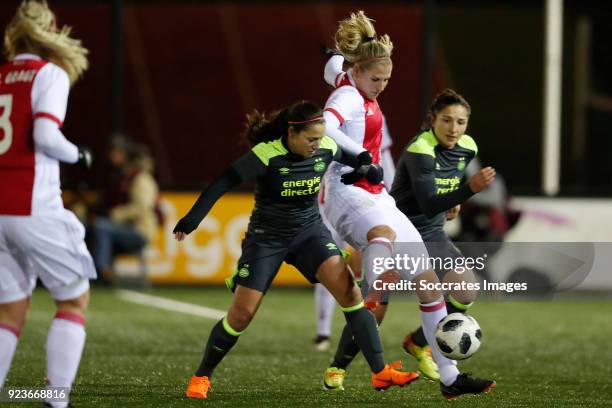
{"type": "Point", "coordinates": [335, 236]}
{"type": "Point", "coordinates": [353, 211]}
{"type": "Point", "coordinates": [50, 247]}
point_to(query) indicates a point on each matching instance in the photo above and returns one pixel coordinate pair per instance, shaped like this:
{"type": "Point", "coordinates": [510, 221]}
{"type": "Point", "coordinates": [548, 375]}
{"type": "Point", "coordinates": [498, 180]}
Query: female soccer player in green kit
{"type": "Point", "coordinates": [429, 189]}
{"type": "Point", "coordinates": [289, 157]}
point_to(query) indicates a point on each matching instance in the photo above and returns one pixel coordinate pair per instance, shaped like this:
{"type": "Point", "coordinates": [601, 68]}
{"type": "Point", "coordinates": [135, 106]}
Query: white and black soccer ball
{"type": "Point", "coordinates": [458, 336]}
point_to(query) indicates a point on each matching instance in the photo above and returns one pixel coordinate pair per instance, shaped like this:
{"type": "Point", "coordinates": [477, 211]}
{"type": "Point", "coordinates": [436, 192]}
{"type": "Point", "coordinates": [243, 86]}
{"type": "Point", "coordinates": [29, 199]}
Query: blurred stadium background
{"type": "Point", "coordinates": [179, 76]}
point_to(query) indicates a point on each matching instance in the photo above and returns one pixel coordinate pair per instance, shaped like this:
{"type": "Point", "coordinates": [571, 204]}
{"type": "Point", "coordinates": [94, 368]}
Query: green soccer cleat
{"type": "Point", "coordinates": [333, 379]}
{"type": "Point", "coordinates": [427, 365]}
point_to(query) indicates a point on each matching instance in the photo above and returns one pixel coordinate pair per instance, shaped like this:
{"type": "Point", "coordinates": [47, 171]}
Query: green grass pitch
{"type": "Point", "coordinates": [542, 354]}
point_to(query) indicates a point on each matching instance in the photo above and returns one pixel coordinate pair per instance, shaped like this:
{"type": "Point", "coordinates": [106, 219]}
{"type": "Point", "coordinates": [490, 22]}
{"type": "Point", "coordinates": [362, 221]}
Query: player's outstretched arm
{"type": "Point", "coordinates": [245, 168]}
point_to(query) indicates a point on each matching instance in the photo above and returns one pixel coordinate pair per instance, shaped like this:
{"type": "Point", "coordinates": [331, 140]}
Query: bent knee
{"type": "Point", "coordinates": [382, 231]}
{"type": "Point", "coordinates": [14, 314]}
{"type": "Point", "coordinates": [239, 318]}
{"type": "Point", "coordinates": [354, 296]}
{"type": "Point", "coordinates": [76, 305]}
{"type": "Point", "coordinates": [350, 297]}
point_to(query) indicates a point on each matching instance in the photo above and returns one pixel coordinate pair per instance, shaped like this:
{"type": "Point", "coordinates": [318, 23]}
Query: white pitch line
{"type": "Point", "coordinates": [169, 304]}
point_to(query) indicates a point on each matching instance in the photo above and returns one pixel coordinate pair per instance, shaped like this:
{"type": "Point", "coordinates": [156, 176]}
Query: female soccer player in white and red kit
{"type": "Point", "coordinates": [38, 237]}
{"type": "Point", "coordinates": [364, 214]}
{"type": "Point", "coordinates": [324, 301]}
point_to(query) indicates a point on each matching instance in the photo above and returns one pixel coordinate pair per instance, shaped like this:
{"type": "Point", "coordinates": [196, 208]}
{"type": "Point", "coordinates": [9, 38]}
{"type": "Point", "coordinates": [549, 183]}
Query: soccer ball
{"type": "Point", "coordinates": [458, 336]}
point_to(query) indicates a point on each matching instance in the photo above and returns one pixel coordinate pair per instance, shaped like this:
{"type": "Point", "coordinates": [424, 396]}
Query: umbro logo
{"type": "Point", "coordinates": [283, 171]}
{"type": "Point", "coordinates": [370, 112]}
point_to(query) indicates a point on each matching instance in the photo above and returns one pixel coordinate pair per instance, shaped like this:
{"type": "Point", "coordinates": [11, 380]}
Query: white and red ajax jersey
{"type": "Point", "coordinates": [360, 119]}
{"type": "Point", "coordinates": [30, 88]}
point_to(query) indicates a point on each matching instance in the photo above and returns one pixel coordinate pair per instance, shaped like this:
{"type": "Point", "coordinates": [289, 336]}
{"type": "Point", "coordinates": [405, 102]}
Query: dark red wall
{"type": "Point", "coordinates": [193, 70]}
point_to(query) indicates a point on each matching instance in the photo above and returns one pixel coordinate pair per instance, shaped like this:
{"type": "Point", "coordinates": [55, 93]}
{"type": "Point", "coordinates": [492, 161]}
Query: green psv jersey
{"type": "Point", "coordinates": [286, 192]}
{"type": "Point", "coordinates": [287, 185]}
{"type": "Point", "coordinates": [430, 179]}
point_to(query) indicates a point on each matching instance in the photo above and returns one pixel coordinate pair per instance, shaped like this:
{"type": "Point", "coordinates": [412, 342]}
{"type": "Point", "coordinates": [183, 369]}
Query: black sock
{"type": "Point", "coordinates": [347, 349]}
{"type": "Point", "coordinates": [362, 324]}
{"type": "Point", "coordinates": [418, 337]}
{"type": "Point", "coordinates": [218, 345]}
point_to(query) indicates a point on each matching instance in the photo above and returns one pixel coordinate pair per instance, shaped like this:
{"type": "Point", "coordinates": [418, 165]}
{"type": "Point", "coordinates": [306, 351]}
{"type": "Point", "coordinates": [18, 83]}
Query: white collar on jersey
{"type": "Point", "coordinates": [27, 57]}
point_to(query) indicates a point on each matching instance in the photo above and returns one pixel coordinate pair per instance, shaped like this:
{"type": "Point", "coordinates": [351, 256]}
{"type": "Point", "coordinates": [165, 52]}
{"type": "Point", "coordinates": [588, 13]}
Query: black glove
{"type": "Point", "coordinates": [364, 158]}
{"type": "Point", "coordinates": [352, 177]}
{"type": "Point", "coordinates": [85, 158]}
{"type": "Point", "coordinates": [186, 224]}
{"type": "Point", "coordinates": [329, 52]}
{"type": "Point", "coordinates": [371, 172]}
{"type": "Point", "coordinates": [364, 161]}
{"type": "Point", "coordinates": [375, 174]}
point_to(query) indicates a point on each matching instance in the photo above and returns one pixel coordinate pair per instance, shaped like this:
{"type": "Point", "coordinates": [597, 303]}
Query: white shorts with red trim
{"type": "Point", "coordinates": [353, 211]}
{"type": "Point", "coordinates": [51, 248]}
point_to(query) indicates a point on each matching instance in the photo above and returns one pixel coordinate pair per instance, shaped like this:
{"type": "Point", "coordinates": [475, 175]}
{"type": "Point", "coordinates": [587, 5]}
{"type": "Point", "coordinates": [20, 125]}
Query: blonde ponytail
{"type": "Point", "coordinates": [356, 39]}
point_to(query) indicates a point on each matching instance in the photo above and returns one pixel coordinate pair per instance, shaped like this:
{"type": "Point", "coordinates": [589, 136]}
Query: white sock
{"type": "Point", "coordinates": [9, 337]}
{"type": "Point", "coordinates": [325, 304]}
{"type": "Point", "coordinates": [65, 343]}
{"type": "Point", "coordinates": [377, 248]}
{"type": "Point", "coordinates": [431, 314]}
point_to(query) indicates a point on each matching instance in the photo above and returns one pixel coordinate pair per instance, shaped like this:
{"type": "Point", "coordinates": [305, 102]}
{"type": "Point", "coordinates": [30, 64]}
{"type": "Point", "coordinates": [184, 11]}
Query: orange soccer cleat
{"type": "Point", "coordinates": [371, 305]}
{"type": "Point", "coordinates": [390, 376]}
{"type": "Point", "coordinates": [198, 387]}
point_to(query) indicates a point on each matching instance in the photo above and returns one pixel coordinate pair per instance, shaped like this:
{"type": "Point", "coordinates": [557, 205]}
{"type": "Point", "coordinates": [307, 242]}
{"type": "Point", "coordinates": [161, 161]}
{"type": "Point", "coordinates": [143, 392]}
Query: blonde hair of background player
{"type": "Point", "coordinates": [33, 30]}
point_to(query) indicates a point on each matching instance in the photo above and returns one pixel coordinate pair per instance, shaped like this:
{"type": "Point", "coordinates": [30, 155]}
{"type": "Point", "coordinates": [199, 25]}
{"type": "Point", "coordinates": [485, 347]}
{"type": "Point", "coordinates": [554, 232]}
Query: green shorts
{"type": "Point", "coordinates": [262, 257]}
{"type": "Point", "coordinates": [439, 245]}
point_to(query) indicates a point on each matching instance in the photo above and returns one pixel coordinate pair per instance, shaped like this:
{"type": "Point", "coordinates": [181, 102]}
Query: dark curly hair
{"type": "Point", "coordinates": [261, 127]}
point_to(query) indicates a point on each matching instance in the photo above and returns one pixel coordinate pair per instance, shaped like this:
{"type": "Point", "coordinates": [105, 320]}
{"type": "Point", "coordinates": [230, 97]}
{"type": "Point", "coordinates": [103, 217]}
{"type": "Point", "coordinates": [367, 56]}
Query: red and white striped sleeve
{"type": "Point", "coordinates": [49, 102]}
{"type": "Point", "coordinates": [342, 105]}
